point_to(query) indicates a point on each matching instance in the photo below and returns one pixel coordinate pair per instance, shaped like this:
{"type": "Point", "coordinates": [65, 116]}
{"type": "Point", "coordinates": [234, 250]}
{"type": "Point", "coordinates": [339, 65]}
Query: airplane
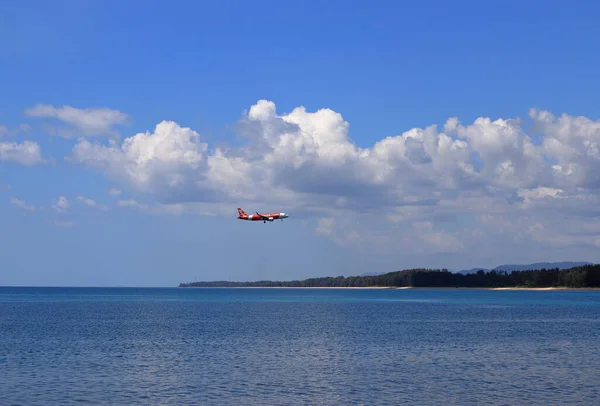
{"type": "Point", "coordinates": [260, 217]}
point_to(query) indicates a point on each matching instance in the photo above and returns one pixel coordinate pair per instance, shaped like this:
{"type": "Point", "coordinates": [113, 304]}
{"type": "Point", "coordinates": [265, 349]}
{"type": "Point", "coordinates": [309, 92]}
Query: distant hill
{"type": "Point", "coordinates": [586, 276]}
{"type": "Point", "coordinates": [534, 266]}
{"type": "Point", "coordinates": [510, 267]}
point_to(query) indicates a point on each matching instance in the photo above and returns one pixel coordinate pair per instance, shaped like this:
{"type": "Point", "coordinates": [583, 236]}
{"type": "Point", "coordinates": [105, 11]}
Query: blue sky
{"type": "Point", "coordinates": [230, 80]}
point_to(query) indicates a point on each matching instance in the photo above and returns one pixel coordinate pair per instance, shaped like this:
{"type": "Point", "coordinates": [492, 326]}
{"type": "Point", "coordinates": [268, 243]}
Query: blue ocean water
{"type": "Point", "coordinates": [298, 346]}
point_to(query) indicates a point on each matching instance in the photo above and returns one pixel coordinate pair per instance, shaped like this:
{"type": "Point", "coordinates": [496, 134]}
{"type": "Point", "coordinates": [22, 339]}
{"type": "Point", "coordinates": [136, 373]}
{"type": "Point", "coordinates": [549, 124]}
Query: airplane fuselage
{"type": "Point", "coordinates": [261, 217]}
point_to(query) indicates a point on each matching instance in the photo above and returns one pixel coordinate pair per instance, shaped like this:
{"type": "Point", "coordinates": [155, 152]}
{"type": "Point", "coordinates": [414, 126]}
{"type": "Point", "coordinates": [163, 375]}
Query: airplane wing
{"type": "Point", "coordinates": [261, 216]}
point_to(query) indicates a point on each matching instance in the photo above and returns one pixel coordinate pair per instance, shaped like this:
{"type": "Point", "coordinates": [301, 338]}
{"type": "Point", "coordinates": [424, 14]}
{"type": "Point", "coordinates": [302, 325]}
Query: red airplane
{"type": "Point", "coordinates": [260, 217]}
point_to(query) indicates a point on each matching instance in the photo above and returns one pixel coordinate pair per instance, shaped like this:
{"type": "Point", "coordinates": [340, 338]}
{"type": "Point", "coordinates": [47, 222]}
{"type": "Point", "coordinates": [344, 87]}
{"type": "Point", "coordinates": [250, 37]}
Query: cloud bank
{"type": "Point", "coordinates": [487, 173]}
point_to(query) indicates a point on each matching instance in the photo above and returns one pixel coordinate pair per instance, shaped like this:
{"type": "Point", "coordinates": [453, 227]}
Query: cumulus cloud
{"type": "Point", "coordinates": [164, 162]}
{"type": "Point", "coordinates": [83, 122]}
{"type": "Point", "coordinates": [62, 205]}
{"type": "Point", "coordinates": [27, 153]}
{"type": "Point", "coordinates": [424, 178]}
{"type": "Point", "coordinates": [573, 144]}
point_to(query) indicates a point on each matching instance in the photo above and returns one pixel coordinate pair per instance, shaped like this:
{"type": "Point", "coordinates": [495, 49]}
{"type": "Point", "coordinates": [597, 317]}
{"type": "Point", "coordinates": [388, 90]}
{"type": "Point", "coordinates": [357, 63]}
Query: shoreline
{"type": "Point", "coordinates": [549, 288]}
{"type": "Point", "coordinates": [511, 288]}
{"type": "Point", "coordinates": [292, 287]}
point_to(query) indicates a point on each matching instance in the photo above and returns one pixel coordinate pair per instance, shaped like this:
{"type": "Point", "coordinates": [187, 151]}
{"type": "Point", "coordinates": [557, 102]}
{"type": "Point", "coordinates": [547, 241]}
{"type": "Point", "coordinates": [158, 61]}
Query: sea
{"type": "Point", "coordinates": [269, 346]}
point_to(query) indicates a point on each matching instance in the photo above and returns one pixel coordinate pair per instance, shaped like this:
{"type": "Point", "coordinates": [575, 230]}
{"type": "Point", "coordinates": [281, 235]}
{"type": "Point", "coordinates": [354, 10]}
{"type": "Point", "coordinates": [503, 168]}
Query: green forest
{"type": "Point", "coordinates": [587, 276]}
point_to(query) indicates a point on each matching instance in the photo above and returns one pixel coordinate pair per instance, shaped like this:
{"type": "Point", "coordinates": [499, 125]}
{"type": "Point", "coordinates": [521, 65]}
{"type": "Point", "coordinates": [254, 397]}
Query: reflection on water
{"type": "Point", "coordinates": [295, 346]}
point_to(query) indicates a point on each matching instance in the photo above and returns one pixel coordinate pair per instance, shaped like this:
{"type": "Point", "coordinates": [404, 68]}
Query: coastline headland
{"type": "Point", "coordinates": [578, 277]}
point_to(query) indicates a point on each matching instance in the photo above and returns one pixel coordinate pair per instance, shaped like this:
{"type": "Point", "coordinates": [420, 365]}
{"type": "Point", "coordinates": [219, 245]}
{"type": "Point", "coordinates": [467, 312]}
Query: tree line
{"type": "Point", "coordinates": [586, 276]}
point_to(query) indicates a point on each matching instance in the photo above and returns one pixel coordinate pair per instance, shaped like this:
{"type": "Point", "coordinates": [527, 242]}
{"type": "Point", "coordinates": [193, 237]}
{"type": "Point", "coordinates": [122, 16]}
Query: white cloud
{"type": "Point", "coordinates": [435, 240]}
{"type": "Point", "coordinates": [84, 122]}
{"type": "Point", "coordinates": [114, 192]}
{"type": "Point", "coordinates": [92, 203]}
{"type": "Point", "coordinates": [174, 209]}
{"type": "Point", "coordinates": [160, 162]}
{"type": "Point", "coordinates": [433, 187]}
{"type": "Point", "coordinates": [573, 143]}
{"type": "Point", "coordinates": [27, 153]}
{"type": "Point", "coordinates": [340, 232]}
{"type": "Point", "coordinates": [5, 131]}
{"type": "Point", "coordinates": [62, 205]}
{"type": "Point", "coordinates": [325, 226]}
{"type": "Point", "coordinates": [22, 204]}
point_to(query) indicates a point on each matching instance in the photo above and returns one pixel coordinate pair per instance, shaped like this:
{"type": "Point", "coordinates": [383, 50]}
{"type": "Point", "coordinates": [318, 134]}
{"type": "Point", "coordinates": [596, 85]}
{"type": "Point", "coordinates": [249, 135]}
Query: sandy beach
{"type": "Point", "coordinates": [550, 288]}
{"type": "Point", "coordinates": [397, 287]}
{"type": "Point", "coordinates": [295, 287]}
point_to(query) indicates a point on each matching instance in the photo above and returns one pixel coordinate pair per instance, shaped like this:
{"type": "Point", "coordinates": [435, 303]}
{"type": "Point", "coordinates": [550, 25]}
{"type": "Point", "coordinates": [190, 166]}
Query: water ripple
{"type": "Point", "coordinates": [332, 347]}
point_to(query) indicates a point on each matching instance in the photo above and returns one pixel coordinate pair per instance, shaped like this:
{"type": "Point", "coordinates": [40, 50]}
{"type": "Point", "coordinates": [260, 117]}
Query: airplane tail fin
{"type": "Point", "coordinates": [241, 212]}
